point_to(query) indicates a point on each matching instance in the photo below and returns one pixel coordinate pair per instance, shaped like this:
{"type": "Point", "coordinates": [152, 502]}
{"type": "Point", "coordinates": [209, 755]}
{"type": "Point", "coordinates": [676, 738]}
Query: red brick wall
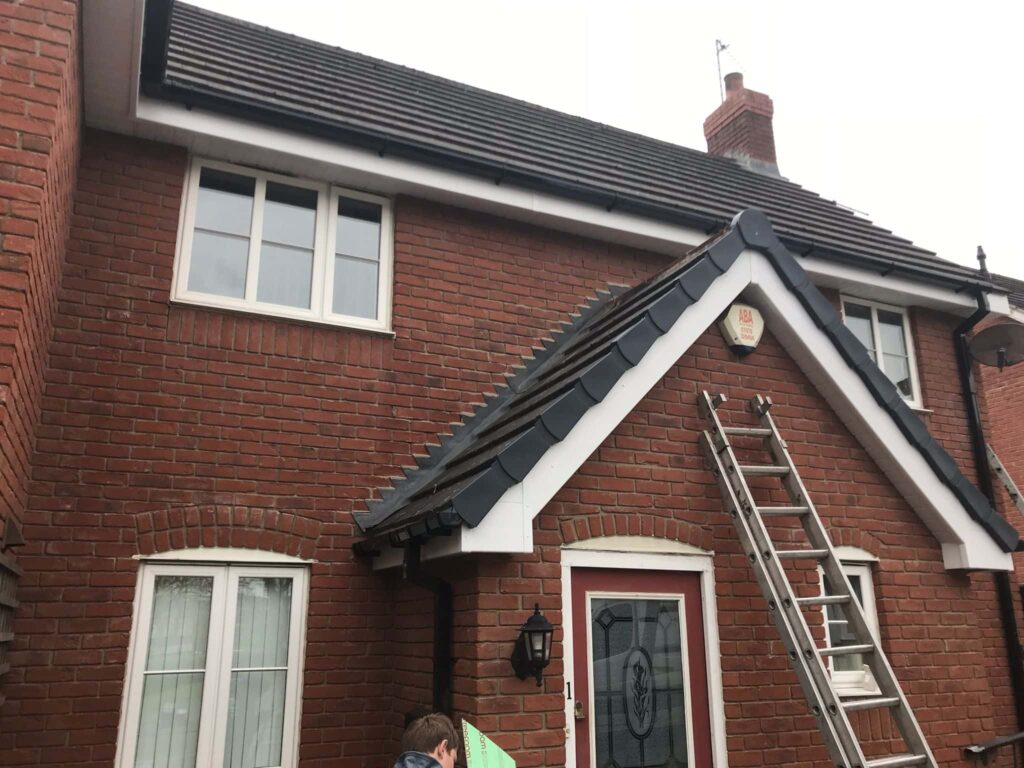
{"type": "Point", "coordinates": [40, 107]}
{"type": "Point", "coordinates": [169, 426]}
{"type": "Point", "coordinates": [158, 419]}
{"type": "Point", "coordinates": [941, 630]}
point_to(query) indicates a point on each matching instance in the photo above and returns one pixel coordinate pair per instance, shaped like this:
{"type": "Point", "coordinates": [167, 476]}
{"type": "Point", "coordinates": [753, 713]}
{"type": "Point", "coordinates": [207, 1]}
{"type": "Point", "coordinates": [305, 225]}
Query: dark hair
{"type": "Point", "coordinates": [427, 733]}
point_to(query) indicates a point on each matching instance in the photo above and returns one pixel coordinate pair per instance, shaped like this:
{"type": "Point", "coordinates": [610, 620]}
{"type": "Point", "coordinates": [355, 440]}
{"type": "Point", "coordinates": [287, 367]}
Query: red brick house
{"type": "Point", "coordinates": [320, 373]}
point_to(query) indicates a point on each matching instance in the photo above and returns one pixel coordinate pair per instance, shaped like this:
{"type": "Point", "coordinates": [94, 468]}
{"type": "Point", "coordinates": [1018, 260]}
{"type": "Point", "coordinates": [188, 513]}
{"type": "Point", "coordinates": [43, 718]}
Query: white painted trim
{"type": "Point", "coordinates": [508, 527]}
{"type": "Point", "coordinates": [637, 544]}
{"type": "Point", "coordinates": [320, 309]}
{"type": "Point", "coordinates": [246, 142]}
{"type": "Point", "coordinates": [643, 558]}
{"type": "Point", "coordinates": [965, 544]}
{"type": "Point", "coordinates": [226, 555]}
{"type": "Point", "coordinates": [916, 401]}
{"type": "Point", "coordinates": [516, 509]}
{"type": "Point", "coordinates": [849, 554]}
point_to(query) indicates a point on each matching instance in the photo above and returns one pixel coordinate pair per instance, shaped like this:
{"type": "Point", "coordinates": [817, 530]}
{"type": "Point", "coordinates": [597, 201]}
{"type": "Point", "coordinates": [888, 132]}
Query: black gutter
{"type": "Point", "coordinates": [406, 149]}
{"type": "Point", "coordinates": [444, 624]}
{"type": "Point", "coordinates": [1004, 591]}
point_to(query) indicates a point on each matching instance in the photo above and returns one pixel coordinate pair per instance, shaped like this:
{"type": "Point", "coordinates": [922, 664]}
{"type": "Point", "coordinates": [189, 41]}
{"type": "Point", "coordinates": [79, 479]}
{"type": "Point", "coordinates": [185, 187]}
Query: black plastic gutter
{"type": "Point", "coordinates": [500, 174]}
{"type": "Point", "coordinates": [1004, 590]}
{"type": "Point", "coordinates": [444, 625]}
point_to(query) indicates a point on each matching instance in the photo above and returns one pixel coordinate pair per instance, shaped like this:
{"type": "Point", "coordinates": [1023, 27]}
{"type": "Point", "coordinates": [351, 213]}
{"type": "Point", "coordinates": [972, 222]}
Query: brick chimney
{"type": "Point", "coordinates": [741, 128]}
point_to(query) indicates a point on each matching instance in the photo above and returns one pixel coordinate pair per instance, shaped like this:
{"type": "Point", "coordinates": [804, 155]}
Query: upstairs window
{"type": "Point", "coordinates": [885, 333]}
{"type": "Point", "coordinates": [274, 245]}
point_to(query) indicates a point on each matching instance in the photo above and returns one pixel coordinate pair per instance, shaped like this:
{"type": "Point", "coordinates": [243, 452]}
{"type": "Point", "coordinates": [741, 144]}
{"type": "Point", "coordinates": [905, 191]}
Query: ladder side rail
{"type": "Point", "coordinates": [877, 661]}
{"type": "Point", "coordinates": [802, 665]}
{"type": "Point", "coordinates": [1004, 477]}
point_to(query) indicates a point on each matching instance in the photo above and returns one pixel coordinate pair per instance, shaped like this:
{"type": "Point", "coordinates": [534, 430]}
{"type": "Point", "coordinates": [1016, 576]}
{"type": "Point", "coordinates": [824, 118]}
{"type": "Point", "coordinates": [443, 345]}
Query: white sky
{"type": "Point", "coordinates": [900, 110]}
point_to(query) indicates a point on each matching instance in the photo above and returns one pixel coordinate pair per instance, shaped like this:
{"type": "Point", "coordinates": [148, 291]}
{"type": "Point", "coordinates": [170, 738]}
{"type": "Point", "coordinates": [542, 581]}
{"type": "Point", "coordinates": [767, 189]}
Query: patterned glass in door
{"type": "Point", "coordinates": [639, 683]}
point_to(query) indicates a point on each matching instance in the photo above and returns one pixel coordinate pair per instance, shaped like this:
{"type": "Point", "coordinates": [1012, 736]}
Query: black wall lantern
{"type": "Point", "coordinates": [533, 647]}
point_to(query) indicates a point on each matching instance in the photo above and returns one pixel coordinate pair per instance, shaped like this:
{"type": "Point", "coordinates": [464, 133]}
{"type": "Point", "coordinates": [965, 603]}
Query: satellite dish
{"type": "Point", "coordinates": [999, 345]}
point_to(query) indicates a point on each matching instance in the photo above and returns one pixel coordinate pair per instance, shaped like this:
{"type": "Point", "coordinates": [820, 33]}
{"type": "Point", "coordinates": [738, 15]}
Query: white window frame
{"type": "Point", "coordinates": [321, 290]}
{"type": "Point", "coordinates": [854, 682]}
{"type": "Point", "coordinates": [217, 680]}
{"type": "Point", "coordinates": [916, 400]}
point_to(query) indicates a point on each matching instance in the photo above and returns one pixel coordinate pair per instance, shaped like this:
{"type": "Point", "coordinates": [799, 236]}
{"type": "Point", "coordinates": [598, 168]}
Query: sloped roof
{"type": "Point", "coordinates": [200, 58]}
{"type": "Point", "coordinates": [1014, 288]}
{"type": "Point", "coordinates": [497, 448]}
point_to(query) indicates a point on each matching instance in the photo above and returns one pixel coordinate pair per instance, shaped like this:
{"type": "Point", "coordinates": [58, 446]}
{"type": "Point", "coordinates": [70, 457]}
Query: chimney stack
{"type": "Point", "coordinates": [741, 128]}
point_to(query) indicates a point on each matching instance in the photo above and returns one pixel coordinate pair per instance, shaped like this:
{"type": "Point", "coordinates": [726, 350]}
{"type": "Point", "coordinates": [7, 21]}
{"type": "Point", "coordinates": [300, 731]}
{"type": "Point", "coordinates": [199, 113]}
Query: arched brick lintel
{"type": "Point", "coordinates": [626, 524]}
{"type": "Point", "coordinates": [225, 525]}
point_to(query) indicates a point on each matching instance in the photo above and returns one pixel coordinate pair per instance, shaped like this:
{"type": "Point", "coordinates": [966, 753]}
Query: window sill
{"type": "Point", "coordinates": [257, 311]}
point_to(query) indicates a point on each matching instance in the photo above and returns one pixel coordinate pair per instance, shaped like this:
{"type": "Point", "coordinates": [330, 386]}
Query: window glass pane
{"type": "Point", "coordinates": [259, 673]}
{"type": "Point", "coordinates": [639, 690]}
{"type": "Point", "coordinates": [898, 370]}
{"type": "Point", "coordinates": [225, 202]}
{"type": "Point", "coordinates": [890, 328]}
{"type": "Point", "coordinates": [858, 320]}
{"type": "Point", "coordinates": [839, 631]}
{"type": "Point", "coordinates": [173, 678]}
{"type": "Point", "coordinates": [355, 287]}
{"type": "Point", "coordinates": [218, 264]}
{"type": "Point", "coordinates": [358, 229]}
{"type": "Point", "coordinates": [286, 276]}
{"type": "Point", "coordinates": [289, 215]}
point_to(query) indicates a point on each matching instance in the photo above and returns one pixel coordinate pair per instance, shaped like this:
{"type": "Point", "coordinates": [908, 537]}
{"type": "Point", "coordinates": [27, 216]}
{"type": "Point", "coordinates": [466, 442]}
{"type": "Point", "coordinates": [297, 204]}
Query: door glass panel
{"type": "Point", "coordinates": [172, 688]}
{"type": "Point", "coordinates": [259, 673]}
{"type": "Point", "coordinates": [639, 689]}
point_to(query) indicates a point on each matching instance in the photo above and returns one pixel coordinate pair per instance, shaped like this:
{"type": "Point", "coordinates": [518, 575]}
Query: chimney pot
{"type": "Point", "coordinates": [741, 128]}
{"type": "Point", "coordinates": [733, 84]}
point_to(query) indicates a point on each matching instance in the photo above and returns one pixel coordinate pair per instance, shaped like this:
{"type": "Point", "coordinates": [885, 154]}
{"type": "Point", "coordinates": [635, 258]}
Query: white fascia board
{"type": "Point", "coordinates": [112, 43]}
{"type": "Point", "coordinates": [508, 526]}
{"type": "Point", "coordinates": [965, 544]}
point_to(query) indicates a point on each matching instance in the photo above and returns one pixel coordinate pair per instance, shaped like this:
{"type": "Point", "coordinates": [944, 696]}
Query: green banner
{"type": "Point", "coordinates": [481, 752]}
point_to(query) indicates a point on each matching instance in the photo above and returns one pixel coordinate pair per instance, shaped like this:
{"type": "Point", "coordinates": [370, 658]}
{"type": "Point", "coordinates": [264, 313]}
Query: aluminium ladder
{"type": "Point", "coordinates": [785, 607]}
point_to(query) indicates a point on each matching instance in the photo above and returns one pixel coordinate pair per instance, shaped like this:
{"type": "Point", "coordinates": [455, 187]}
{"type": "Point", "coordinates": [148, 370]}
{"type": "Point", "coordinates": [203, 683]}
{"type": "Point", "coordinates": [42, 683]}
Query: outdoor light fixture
{"type": "Point", "coordinates": [533, 647]}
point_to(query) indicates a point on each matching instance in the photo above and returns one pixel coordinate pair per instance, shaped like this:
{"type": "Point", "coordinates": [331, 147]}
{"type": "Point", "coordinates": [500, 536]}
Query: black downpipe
{"type": "Point", "coordinates": [444, 623]}
{"type": "Point", "coordinates": [1004, 591]}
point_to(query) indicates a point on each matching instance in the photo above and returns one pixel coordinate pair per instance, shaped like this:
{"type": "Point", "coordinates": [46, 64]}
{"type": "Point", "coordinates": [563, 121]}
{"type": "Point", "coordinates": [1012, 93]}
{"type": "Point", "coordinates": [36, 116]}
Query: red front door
{"type": "Point", "coordinates": [640, 670]}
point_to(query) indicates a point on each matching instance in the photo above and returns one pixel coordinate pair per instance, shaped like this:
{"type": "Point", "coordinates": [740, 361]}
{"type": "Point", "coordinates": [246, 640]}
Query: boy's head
{"type": "Point", "coordinates": [434, 735]}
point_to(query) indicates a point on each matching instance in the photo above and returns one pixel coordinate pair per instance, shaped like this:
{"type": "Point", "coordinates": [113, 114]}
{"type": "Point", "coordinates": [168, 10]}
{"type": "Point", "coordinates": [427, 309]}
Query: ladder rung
{"type": "Point", "coordinates": [824, 600]}
{"type": "Point", "coordinates": [855, 705]}
{"type": "Point", "coordinates": [846, 650]}
{"type": "Point", "coordinates": [781, 511]}
{"type": "Point", "coordinates": [795, 554]}
{"type": "Point", "coordinates": [764, 470]}
{"type": "Point", "coordinates": [897, 761]}
{"type": "Point", "coordinates": [747, 431]}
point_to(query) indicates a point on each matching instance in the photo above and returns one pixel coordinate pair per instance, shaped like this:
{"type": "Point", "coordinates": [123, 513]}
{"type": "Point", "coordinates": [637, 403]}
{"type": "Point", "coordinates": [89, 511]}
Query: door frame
{"type": "Point", "coordinates": [638, 553]}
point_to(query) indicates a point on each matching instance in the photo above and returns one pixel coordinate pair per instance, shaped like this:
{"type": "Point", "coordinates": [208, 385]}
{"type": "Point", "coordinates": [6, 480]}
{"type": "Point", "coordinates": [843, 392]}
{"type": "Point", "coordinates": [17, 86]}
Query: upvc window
{"type": "Point", "coordinates": [885, 333]}
{"type": "Point", "coordinates": [275, 245]}
{"type": "Point", "coordinates": [850, 675]}
{"type": "Point", "coordinates": [214, 674]}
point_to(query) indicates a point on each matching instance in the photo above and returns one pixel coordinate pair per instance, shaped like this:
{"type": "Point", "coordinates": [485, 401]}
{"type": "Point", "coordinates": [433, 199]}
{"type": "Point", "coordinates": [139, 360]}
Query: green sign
{"type": "Point", "coordinates": [481, 752]}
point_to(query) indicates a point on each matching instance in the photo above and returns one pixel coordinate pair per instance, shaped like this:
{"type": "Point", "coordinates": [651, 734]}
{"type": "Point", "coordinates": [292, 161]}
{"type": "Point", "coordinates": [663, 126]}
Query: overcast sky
{"type": "Point", "coordinates": [905, 113]}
